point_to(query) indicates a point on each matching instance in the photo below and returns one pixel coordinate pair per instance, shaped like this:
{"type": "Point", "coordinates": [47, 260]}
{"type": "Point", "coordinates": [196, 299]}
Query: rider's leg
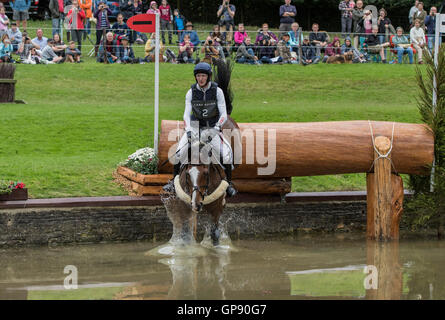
{"type": "Point", "coordinates": [231, 191]}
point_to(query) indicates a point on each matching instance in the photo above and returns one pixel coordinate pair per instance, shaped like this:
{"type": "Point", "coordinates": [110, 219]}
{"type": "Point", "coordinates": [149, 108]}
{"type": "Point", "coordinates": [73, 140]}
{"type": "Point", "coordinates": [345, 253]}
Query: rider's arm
{"type": "Point", "coordinates": [222, 108]}
{"type": "Point", "coordinates": [188, 111]}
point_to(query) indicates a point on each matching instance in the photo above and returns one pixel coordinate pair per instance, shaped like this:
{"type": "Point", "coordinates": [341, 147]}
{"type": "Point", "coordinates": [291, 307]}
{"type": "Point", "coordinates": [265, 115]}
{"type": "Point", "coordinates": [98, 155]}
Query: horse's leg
{"type": "Point", "coordinates": [215, 232]}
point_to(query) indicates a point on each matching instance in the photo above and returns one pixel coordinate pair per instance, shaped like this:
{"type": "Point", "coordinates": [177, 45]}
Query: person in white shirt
{"type": "Point", "coordinates": [417, 37]}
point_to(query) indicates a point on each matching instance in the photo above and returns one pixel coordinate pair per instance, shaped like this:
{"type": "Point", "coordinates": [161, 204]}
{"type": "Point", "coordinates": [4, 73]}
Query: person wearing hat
{"type": "Point", "coordinates": [153, 8]}
{"type": "Point", "coordinates": [205, 107]}
{"type": "Point", "coordinates": [126, 53]}
{"type": "Point", "coordinates": [194, 38]}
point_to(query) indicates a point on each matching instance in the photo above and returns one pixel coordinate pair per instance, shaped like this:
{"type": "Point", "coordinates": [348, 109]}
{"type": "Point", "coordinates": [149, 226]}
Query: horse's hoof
{"type": "Point", "coordinates": [231, 191]}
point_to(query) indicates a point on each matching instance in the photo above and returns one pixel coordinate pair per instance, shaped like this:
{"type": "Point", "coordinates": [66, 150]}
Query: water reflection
{"type": "Point", "coordinates": [321, 267]}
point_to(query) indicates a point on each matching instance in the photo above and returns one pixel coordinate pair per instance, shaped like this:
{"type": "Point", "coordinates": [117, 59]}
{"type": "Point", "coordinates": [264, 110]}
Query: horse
{"type": "Point", "coordinates": [199, 189]}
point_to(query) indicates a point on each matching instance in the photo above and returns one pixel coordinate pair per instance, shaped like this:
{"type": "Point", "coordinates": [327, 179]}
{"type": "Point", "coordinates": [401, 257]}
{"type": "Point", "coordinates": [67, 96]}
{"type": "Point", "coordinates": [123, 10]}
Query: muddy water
{"type": "Point", "coordinates": [297, 268]}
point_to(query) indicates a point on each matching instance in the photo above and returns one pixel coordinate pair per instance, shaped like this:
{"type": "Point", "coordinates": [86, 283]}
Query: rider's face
{"type": "Point", "coordinates": [202, 79]}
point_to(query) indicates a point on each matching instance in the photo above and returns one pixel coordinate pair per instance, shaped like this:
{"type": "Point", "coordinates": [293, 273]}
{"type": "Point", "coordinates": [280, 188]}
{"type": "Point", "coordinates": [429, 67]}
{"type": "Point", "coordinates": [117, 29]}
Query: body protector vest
{"type": "Point", "coordinates": [205, 105]}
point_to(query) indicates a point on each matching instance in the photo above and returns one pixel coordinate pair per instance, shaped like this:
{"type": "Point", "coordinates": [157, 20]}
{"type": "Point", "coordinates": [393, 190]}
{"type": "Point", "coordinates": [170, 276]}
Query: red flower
{"type": "Point", "coordinates": [20, 185]}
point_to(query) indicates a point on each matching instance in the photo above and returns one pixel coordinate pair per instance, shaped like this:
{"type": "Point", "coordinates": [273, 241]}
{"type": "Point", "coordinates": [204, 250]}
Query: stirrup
{"type": "Point", "coordinates": [231, 191]}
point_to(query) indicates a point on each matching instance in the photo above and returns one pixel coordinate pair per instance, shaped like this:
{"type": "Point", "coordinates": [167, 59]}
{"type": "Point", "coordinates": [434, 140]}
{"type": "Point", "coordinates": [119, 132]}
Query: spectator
{"type": "Point", "coordinates": [240, 35]}
{"type": "Point", "coordinates": [358, 29]}
{"type": "Point", "coordinates": [59, 46]}
{"type": "Point", "coordinates": [15, 36]}
{"type": "Point", "coordinates": [385, 26]}
{"type": "Point", "coordinates": [20, 12]}
{"type": "Point", "coordinates": [402, 46]}
{"type": "Point", "coordinates": [48, 54]}
{"type": "Point", "coordinates": [309, 53]}
{"type": "Point", "coordinates": [245, 53]}
{"type": "Point", "coordinates": [296, 37]}
{"type": "Point", "coordinates": [211, 50]}
{"type": "Point", "coordinates": [150, 49]}
{"type": "Point", "coordinates": [24, 48]}
{"type": "Point", "coordinates": [108, 49]}
{"type": "Point", "coordinates": [75, 23]}
{"type": "Point", "coordinates": [186, 50]}
{"type": "Point", "coordinates": [4, 21]}
{"type": "Point", "coordinates": [87, 6]}
{"type": "Point", "coordinates": [412, 12]}
{"type": "Point", "coordinates": [153, 8]}
{"type": "Point", "coordinates": [266, 42]}
{"type": "Point", "coordinates": [284, 50]}
{"type": "Point", "coordinates": [40, 41]}
{"type": "Point", "coordinates": [333, 49]}
{"type": "Point", "coordinates": [226, 15]}
{"type": "Point", "coordinates": [318, 39]}
{"type": "Point", "coordinates": [126, 53]}
{"type": "Point", "coordinates": [103, 24]}
{"type": "Point", "coordinates": [193, 35]}
{"type": "Point", "coordinates": [72, 53]}
{"type": "Point", "coordinates": [166, 21]}
{"type": "Point", "coordinates": [179, 23]}
{"type": "Point", "coordinates": [420, 15]}
{"type": "Point", "coordinates": [346, 7]}
{"type": "Point", "coordinates": [373, 45]}
{"type": "Point", "coordinates": [56, 7]}
{"type": "Point", "coordinates": [33, 56]}
{"type": "Point", "coordinates": [287, 16]}
{"type": "Point", "coordinates": [430, 24]}
{"type": "Point", "coordinates": [366, 23]}
{"type": "Point", "coordinates": [131, 8]}
{"type": "Point", "coordinates": [5, 49]}
{"type": "Point", "coordinates": [348, 48]}
{"type": "Point", "coordinates": [417, 37]}
{"type": "Point", "coordinates": [120, 28]}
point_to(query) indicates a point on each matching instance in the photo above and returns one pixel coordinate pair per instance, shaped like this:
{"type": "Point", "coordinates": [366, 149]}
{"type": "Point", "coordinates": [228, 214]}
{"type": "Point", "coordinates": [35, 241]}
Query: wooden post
{"type": "Point", "coordinates": [384, 196]}
{"type": "Point", "coordinates": [7, 83]}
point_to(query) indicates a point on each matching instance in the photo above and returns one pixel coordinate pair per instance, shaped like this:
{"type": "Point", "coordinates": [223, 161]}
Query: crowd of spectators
{"type": "Point", "coordinates": [365, 35]}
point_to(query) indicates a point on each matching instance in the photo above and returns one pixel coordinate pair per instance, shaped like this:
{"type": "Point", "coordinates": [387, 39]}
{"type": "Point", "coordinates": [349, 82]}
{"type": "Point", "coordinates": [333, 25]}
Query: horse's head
{"type": "Point", "coordinates": [197, 178]}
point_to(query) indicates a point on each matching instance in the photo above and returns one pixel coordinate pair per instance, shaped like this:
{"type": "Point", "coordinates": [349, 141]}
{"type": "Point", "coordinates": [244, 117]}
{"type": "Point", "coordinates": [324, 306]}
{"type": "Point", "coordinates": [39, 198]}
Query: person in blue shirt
{"type": "Point", "coordinates": [179, 23]}
{"type": "Point", "coordinates": [430, 24]}
{"type": "Point", "coordinates": [5, 49]}
{"type": "Point", "coordinates": [193, 35]}
{"type": "Point", "coordinates": [20, 12]}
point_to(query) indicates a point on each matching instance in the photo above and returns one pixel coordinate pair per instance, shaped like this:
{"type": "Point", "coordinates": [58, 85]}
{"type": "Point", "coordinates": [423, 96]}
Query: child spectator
{"type": "Point", "coordinates": [179, 23]}
{"type": "Point", "coordinates": [20, 11]}
{"type": "Point", "coordinates": [366, 22]}
{"type": "Point", "coordinates": [240, 35]}
{"type": "Point", "coordinates": [15, 36]}
{"type": "Point", "coordinates": [120, 28]}
{"type": "Point", "coordinates": [166, 21]}
{"type": "Point", "coordinates": [333, 49]}
{"type": "Point", "coordinates": [186, 50]}
{"type": "Point", "coordinates": [402, 46]}
{"type": "Point", "coordinates": [4, 21]}
{"type": "Point", "coordinates": [72, 53]}
{"type": "Point", "coordinates": [417, 37]}
{"type": "Point", "coordinates": [33, 57]}
{"type": "Point", "coordinates": [245, 53]}
{"type": "Point", "coordinates": [153, 8]}
{"type": "Point", "coordinates": [192, 33]}
{"type": "Point", "coordinates": [5, 49]}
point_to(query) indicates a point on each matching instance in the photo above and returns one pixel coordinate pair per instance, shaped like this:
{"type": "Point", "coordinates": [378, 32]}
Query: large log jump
{"type": "Point", "coordinates": [381, 149]}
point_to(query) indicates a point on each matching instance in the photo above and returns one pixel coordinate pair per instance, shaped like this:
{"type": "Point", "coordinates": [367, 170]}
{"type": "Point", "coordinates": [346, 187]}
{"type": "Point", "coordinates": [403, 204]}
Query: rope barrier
{"type": "Point", "coordinates": [386, 155]}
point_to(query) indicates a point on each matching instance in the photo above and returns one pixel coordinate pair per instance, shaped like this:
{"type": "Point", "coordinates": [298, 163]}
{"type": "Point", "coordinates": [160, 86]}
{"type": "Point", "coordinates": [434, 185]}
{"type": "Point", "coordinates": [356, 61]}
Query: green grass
{"type": "Point", "coordinates": [81, 120]}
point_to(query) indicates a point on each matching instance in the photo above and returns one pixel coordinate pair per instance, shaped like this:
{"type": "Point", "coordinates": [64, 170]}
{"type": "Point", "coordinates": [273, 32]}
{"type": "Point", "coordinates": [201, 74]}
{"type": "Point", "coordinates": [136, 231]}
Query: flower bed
{"type": "Point", "coordinates": [12, 191]}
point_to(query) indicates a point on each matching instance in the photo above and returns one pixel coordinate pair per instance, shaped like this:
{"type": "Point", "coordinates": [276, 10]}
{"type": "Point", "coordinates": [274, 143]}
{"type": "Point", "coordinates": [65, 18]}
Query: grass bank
{"type": "Point", "coordinates": [81, 120]}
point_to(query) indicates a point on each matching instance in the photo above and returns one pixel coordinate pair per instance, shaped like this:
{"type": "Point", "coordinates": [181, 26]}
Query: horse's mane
{"type": "Point", "coordinates": [222, 73]}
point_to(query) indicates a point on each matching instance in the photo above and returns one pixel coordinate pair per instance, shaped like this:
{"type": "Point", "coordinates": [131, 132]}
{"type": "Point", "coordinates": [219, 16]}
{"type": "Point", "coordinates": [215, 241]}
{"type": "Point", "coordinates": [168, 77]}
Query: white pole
{"type": "Point", "coordinates": [158, 40]}
{"type": "Point", "coordinates": [436, 61]}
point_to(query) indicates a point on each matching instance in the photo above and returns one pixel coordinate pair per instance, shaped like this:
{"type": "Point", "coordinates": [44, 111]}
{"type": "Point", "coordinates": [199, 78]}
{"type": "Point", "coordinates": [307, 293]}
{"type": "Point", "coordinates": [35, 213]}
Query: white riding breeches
{"type": "Point", "coordinates": [214, 149]}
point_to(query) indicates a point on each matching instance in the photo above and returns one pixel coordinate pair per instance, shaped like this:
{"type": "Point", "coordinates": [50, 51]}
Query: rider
{"type": "Point", "coordinates": [205, 103]}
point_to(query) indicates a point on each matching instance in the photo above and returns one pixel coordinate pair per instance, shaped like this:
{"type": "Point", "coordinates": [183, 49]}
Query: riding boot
{"type": "Point", "coordinates": [231, 191]}
{"type": "Point", "coordinates": [170, 186]}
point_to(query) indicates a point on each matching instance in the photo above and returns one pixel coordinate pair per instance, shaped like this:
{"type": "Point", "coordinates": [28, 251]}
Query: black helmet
{"type": "Point", "coordinates": [203, 67]}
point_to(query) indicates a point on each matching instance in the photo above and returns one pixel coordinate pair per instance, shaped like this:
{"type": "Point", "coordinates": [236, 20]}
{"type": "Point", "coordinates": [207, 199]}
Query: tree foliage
{"type": "Point", "coordinates": [427, 209]}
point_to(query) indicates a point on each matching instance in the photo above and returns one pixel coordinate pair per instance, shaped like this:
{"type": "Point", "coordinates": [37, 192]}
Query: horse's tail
{"type": "Point", "coordinates": [222, 72]}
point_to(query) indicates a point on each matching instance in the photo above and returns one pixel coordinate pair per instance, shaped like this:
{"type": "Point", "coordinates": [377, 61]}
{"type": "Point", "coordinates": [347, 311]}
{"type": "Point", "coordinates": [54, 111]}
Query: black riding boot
{"type": "Point", "coordinates": [170, 186]}
{"type": "Point", "coordinates": [231, 191]}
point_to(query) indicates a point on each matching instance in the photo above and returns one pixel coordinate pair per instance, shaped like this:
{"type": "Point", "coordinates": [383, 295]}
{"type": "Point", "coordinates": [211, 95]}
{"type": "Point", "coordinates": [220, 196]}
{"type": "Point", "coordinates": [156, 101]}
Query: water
{"type": "Point", "coordinates": [304, 267]}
